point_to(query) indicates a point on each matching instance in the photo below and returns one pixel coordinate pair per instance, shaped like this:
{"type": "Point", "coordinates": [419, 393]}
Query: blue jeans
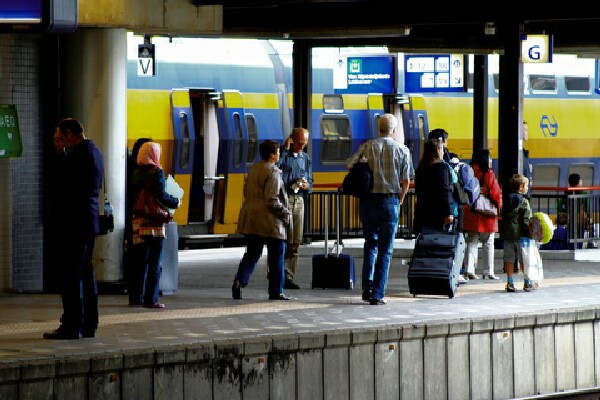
{"type": "Point", "coordinates": [147, 269]}
{"type": "Point", "coordinates": [379, 216]}
{"type": "Point", "coordinates": [275, 257]}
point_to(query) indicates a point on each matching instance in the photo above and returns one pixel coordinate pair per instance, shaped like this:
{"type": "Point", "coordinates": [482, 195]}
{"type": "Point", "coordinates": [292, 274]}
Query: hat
{"type": "Point", "coordinates": [438, 133]}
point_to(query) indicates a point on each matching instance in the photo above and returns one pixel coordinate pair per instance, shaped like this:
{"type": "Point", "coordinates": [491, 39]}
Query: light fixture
{"type": "Point", "coordinates": [489, 29]}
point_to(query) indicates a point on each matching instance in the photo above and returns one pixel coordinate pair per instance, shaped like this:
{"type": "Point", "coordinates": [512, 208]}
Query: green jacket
{"type": "Point", "coordinates": [515, 218]}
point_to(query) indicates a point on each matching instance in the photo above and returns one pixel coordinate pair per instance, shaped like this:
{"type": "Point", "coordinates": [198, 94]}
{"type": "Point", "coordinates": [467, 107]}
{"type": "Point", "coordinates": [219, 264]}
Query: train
{"type": "Point", "coordinates": [211, 101]}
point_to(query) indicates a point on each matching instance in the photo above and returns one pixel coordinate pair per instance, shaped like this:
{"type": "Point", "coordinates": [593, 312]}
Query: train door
{"type": "Point", "coordinates": [206, 149]}
{"type": "Point", "coordinates": [416, 125]}
{"type": "Point", "coordinates": [182, 151]}
{"type": "Point", "coordinates": [232, 162]}
{"type": "Point", "coordinates": [375, 108]}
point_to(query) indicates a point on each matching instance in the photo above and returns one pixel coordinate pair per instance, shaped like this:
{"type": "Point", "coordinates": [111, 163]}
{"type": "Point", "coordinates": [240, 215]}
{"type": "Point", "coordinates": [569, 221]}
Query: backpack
{"type": "Point", "coordinates": [467, 189]}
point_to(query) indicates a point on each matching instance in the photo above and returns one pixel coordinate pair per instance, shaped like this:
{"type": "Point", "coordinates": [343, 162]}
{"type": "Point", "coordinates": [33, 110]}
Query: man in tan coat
{"type": "Point", "coordinates": [264, 220]}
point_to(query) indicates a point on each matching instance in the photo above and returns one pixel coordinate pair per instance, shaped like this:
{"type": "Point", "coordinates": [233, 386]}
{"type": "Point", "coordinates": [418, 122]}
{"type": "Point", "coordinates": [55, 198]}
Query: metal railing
{"type": "Point", "coordinates": [580, 230]}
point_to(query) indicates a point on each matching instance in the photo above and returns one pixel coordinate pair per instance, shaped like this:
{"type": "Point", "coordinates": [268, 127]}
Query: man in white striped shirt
{"type": "Point", "coordinates": [392, 170]}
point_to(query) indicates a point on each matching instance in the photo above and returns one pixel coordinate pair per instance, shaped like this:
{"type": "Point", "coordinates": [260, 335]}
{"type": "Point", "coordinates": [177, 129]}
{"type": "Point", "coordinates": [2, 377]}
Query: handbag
{"type": "Point", "coordinates": [106, 221]}
{"type": "Point", "coordinates": [147, 206]}
{"type": "Point", "coordinates": [358, 182]}
{"type": "Point", "coordinates": [483, 205]}
{"type": "Point", "coordinates": [532, 261]}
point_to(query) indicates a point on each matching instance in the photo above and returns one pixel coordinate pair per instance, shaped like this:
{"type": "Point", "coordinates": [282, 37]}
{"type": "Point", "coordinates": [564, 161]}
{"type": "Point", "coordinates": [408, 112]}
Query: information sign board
{"type": "Point", "coordinates": [365, 74]}
{"type": "Point", "coordinates": [434, 73]}
{"type": "Point", "coordinates": [10, 137]}
{"type": "Point", "coordinates": [39, 16]}
{"type": "Point", "coordinates": [536, 48]}
{"type": "Point", "coordinates": [21, 12]}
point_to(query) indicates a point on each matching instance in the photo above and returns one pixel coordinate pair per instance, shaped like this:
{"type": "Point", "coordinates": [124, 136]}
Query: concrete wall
{"type": "Point", "coordinates": [499, 358]}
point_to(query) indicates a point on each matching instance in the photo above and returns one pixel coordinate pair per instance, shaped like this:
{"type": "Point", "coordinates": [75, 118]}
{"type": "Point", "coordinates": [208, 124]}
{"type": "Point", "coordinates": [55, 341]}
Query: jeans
{"type": "Point", "coordinates": [146, 271]}
{"type": "Point", "coordinates": [379, 216]}
{"type": "Point", "coordinates": [79, 292]}
{"type": "Point", "coordinates": [296, 205]}
{"type": "Point", "coordinates": [275, 254]}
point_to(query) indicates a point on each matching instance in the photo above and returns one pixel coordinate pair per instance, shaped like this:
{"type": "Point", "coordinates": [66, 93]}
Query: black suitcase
{"type": "Point", "coordinates": [335, 270]}
{"type": "Point", "coordinates": [433, 268]}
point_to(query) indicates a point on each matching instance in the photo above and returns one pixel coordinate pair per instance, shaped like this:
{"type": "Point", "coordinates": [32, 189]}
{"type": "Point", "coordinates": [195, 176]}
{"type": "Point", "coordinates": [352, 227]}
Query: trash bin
{"type": "Point", "coordinates": [169, 280]}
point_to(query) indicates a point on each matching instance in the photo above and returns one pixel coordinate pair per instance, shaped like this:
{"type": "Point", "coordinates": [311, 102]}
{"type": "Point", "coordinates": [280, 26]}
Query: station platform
{"type": "Point", "coordinates": [202, 307]}
{"type": "Point", "coordinates": [201, 312]}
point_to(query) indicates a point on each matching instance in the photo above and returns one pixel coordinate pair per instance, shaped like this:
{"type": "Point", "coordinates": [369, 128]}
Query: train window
{"type": "Point", "coordinates": [238, 140]}
{"type": "Point", "coordinates": [496, 82]}
{"type": "Point", "coordinates": [252, 139]}
{"type": "Point", "coordinates": [335, 139]}
{"type": "Point", "coordinates": [577, 84]}
{"type": "Point", "coordinates": [333, 103]}
{"type": "Point", "coordinates": [545, 83]}
{"type": "Point", "coordinates": [546, 175]}
{"type": "Point", "coordinates": [585, 171]}
{"type": "Point", "coordinates": [184, 131]}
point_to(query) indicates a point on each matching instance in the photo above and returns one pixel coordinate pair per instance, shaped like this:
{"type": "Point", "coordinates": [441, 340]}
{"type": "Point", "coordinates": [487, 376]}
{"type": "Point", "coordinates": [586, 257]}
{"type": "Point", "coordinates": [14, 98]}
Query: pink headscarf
{"type": "Point", "coordinates": [149, 154]}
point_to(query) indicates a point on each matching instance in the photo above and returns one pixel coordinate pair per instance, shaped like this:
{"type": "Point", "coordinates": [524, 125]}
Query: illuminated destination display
{"type": "Point", "coordinates": [365, 74]}
{"type": "Point", "coordinates": [434, 73]}
{"type": "Point", "coordinates": [21, 11]}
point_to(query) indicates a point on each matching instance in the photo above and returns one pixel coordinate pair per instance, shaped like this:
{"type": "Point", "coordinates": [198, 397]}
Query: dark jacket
{"type": "Point", "coordinates": [515, 217]}
{"type": "Point", "coordinates": [84, 174]}
{"type": "Point", "coordinates": [433, 187]}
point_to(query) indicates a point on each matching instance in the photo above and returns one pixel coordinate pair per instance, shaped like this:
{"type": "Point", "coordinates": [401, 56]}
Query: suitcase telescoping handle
{"type": "Point", "coordinates": [337, 224]}
{"type": "Point", "coordinates": [326, 221]}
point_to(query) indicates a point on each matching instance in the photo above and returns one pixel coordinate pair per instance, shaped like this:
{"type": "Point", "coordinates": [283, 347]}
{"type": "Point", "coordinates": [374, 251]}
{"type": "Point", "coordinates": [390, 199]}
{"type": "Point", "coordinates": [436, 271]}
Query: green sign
{"type": "Point", "coordinates": [10, 137]}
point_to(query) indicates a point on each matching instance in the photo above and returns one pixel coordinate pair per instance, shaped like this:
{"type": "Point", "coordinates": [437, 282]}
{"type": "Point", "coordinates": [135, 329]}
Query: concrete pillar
{"type": "Point", "coordinates": [95, 92]}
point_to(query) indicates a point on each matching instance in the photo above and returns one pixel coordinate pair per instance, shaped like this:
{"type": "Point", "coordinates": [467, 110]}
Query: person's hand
{"type": "Point", "coordinates": [302, 183]}
{"type": "Point", "coordinates": [288, 142]}
{"type": "Point", "coordinates": [449, 219]}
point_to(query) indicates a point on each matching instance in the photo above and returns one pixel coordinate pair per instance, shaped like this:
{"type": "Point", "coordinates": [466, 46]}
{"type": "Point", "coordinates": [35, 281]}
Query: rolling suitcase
{"type": "Point", "coordinates": [335, 270]}
{"type": "Point", "coordinates": [433, 267]}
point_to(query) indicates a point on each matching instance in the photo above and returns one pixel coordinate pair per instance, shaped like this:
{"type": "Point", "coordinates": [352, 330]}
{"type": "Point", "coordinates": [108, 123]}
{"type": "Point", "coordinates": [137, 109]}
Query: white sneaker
{"type": "Point", "coordinates": [461, 279]}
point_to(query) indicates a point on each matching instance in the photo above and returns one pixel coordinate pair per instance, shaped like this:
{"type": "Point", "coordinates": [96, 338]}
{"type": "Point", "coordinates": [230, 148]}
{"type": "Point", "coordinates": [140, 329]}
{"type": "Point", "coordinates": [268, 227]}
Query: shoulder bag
{"type": "Point", "coordinates": [147, 206]}
{"type": "Point", "coordinates": [358, 182]}
{"type": "Point", "coordinates": [106, 221]}
{"type": "Point", "coordinates": [483, 205]}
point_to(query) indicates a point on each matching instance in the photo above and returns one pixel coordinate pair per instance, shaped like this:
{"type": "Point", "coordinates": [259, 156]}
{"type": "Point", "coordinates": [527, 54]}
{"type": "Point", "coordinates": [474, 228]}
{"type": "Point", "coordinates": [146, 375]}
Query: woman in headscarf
{"type": "Point", "coordinates": [148, 235]}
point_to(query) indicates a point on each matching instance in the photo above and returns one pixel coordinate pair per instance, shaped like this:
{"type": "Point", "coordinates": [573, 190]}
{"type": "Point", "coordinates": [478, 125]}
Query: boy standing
{"type": "Point", "coordinates": [516, 216]}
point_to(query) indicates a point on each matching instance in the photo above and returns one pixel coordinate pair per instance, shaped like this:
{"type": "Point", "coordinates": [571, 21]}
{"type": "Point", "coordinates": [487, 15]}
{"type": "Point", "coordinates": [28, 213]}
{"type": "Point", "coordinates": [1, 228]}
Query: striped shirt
{"type": "Point", "coordinates": [390, 163]}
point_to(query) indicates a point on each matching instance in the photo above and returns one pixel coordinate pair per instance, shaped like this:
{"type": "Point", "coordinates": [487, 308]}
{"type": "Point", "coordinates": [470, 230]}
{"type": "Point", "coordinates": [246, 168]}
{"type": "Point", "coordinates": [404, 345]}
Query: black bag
{"type": "Point", "coordinates": [336, 270]}
{"type": "Point", "coordinates": [107, 223]}
{"type": "Point", "coordinates": [358, 182]}
{"type": "Point", "coordinates": [433, 268]}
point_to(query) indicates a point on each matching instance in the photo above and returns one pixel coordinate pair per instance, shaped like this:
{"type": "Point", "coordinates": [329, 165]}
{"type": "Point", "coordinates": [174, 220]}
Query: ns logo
{"type": "Point", "coordinates": [549, 126]}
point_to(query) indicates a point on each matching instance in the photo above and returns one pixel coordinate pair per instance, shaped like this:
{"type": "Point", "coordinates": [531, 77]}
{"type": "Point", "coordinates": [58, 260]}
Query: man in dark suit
{"type": "Point", "coordinates": [82, 178]}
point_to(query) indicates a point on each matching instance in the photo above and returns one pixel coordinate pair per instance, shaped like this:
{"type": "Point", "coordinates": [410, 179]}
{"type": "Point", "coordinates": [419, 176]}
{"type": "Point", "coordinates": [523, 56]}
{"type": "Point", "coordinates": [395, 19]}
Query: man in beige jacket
{"type": "Point", "coordinates": [264, 219]}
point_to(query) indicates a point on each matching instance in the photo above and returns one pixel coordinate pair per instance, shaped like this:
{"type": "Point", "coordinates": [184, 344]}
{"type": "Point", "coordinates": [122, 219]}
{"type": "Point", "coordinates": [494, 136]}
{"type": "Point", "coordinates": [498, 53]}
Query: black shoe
{"type": "Point", "coordinates": [88, 333]}
{"type": "Point", "coordinates": [377, 302]}
{"type": "Point", "coordinates": [236, 290]}
{"type": "Point", "coordinates": [280, 296]}
{"type": "Point", "coordinates": [62, 334]}
{"type": "Point", "coordinates": [366, 296]}
{"type": "Point", "coordinates": [290, 284]}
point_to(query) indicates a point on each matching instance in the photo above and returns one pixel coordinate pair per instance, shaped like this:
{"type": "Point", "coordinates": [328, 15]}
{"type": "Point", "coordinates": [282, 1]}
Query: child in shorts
{"type": "Point", "coordinates": [515, 224]}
